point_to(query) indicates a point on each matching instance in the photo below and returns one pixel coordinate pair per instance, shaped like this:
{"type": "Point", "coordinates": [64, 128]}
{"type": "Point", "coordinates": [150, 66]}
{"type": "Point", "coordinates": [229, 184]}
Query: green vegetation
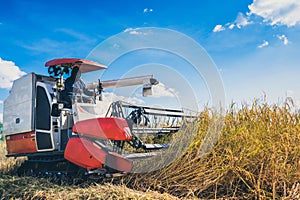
{"type": "Point", "coordinates": [257, 156]}
{"type": "Point", "coordinates": [1, 126]}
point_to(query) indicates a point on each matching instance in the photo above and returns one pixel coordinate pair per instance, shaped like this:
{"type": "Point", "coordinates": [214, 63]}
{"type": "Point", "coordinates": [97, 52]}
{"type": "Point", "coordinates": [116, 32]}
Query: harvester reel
{"type": "Point", "coordinates": [137, 116]}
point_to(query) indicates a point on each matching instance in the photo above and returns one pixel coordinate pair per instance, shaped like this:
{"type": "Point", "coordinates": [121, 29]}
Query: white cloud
{"type": "Point", "coordinates": [8, 73]}
{"type": "Point", "coordinates": [264, 44]}
{"type": "Point", "coordinates": [1, 102]}
{"type": "Point", "coordinates": [128, 30]}
{"type": "Point", "coordinates": [242, 20]}
{"type": "Point", "coordinates": [273, 12]}
{"type": "Point", "coordinates": [277, 12]}
{"type": "Point", "coordinates": [146, 10]}
{"type": "Point", "coordinates": [218, 28]}
{"type": "Point", "coordinates": [134, 31]}
{"type": "Point", "coordinates": [110, 97]}
{"type": "Point", "coordinates": [284, 39]}
{"type": "Point", "coordinates": [160, 90]}
{"type": "Point", "coordinates": [231, 26]}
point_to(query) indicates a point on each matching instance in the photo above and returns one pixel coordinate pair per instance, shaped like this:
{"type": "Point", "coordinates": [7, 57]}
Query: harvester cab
{"type": "Point", "coordinates": [91, 134]}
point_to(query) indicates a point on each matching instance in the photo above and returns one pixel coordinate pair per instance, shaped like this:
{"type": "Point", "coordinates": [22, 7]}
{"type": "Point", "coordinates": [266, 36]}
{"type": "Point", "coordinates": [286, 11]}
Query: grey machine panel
{"type": "Point", "coordinates": [18, 111]}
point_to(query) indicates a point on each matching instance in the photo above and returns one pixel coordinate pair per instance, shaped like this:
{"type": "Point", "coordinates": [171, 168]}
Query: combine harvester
{"type": "Point", "coordinates": [87, 136]}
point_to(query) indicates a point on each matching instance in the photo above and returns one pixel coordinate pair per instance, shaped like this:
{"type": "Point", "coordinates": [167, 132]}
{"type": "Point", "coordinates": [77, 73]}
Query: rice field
{"type": "Point", "coordinates": [256, 156]}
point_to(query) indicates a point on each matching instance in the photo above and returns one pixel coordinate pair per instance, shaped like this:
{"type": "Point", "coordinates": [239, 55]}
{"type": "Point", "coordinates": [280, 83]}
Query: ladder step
{"type": "Point", "coordinates": [155, 146]}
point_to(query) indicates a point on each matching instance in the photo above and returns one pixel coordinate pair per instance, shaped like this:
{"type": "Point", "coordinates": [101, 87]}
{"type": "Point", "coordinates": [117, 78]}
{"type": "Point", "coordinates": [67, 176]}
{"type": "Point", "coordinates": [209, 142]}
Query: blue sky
{"type": "Point", "coordinates": [254, 43]}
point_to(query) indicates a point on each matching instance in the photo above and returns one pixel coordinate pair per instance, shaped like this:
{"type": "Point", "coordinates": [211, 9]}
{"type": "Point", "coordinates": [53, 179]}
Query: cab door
{"type": "Point", "coordinates": [44, 136]}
